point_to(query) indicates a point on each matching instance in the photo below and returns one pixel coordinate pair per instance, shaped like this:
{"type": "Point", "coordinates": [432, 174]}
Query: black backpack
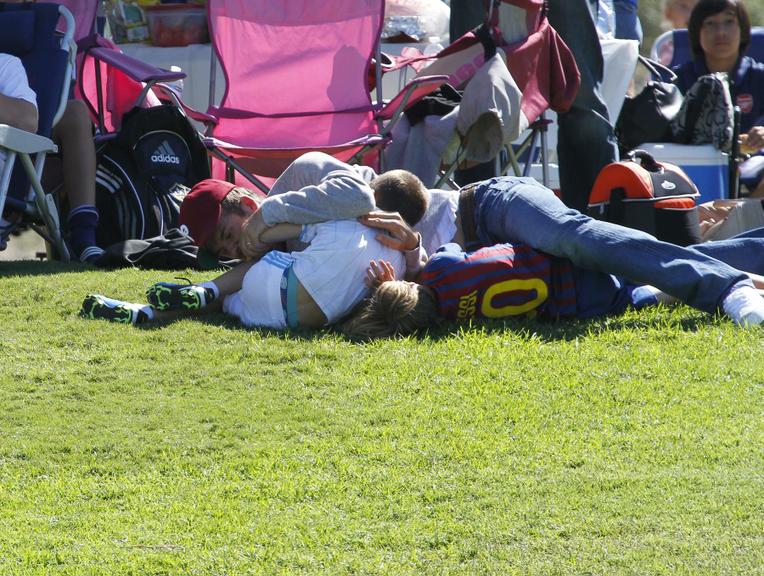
{"type": "Point", "coordinates": [144, 172]}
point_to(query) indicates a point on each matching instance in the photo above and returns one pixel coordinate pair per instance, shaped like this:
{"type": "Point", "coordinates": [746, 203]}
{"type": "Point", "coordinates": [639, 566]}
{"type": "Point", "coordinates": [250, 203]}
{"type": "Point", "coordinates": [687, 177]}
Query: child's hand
{"type": "Point", "coordinates": [250, 245]}
{"type": "Point", "coordinates": [752, 142]}
{"type": "Point", "coordinates": [379, 271]}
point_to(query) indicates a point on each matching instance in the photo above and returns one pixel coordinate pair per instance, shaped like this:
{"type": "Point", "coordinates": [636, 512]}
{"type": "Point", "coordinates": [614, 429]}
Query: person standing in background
{"type": "Point", "coordinates": [677, 12]}
{"type": "Point", "coordinates": [465, 15]}
{"type": "Point", "coordinates": [627, 24]}
{"type": "Point", "coordinates": [585, 139]}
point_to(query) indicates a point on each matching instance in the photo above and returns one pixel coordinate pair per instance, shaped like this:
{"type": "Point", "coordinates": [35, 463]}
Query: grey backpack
{"type": "Point", "coordinates": [707, 114]}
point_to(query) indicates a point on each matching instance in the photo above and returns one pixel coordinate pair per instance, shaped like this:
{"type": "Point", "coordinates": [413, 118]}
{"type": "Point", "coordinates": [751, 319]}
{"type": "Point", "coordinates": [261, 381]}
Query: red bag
{"type": "Point", "coordinates": [656, 197]}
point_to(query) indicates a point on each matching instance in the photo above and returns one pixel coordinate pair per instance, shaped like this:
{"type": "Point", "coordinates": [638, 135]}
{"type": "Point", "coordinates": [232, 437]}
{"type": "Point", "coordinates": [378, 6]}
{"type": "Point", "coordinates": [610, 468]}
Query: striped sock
{"type": "Point", "coordinates": [83, 220]}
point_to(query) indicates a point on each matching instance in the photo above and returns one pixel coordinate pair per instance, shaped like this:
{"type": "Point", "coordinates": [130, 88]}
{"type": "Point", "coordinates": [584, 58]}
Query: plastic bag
{"type": "Point", "coordinates": [419, 20]}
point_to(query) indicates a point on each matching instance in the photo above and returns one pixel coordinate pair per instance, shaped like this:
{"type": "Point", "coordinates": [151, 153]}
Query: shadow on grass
{"type": "Point", "coordinates": [44, 268]}
{"type": "Point", "coordinates": [543, 330]}
{"type": "Point", "coordinates": [568, 329]}
{"type": "Point", "coordinates": [572, 329]}
{"type": "Point", "coordinates": [230, 323]}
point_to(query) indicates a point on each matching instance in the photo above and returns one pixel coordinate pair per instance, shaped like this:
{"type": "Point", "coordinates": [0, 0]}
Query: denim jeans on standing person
{"type": "Point", "coordinates": [585, 139]}
{"type": "Point", "coordinates": [512, 209]}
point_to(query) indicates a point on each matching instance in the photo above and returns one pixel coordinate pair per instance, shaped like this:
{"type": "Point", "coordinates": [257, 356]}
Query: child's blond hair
{"type": "Point", "coordinates": [395, 308]}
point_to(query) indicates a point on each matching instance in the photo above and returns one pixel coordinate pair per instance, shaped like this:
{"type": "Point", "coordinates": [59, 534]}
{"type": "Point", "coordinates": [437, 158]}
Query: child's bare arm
{"type": "Point", "coordinates": [280, 233]}
{"type": "Point", "coordinates": [18, 113]}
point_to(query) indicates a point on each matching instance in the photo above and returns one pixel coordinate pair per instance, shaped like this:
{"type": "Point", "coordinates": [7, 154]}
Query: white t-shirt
{"type": "Point", "coordinates": [14, 84]}
{"type": "Point", "coordinates": [331, 269]}
{"type": "Point", "coordinates": [438, 225]}
{"type": "Point", "coordinates": [13, 80]}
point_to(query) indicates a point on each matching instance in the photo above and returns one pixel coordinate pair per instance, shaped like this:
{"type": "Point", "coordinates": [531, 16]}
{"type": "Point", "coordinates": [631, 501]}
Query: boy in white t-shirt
{"type": "Point", "coordinates": [308, 288]}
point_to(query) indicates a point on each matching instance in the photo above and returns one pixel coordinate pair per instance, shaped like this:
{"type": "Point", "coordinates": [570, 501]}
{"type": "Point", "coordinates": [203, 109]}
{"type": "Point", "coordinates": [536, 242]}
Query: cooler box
{"type": "Point", "coordinates": [537, 172]}
{"type": "Point", "coordinates": [705, 165]}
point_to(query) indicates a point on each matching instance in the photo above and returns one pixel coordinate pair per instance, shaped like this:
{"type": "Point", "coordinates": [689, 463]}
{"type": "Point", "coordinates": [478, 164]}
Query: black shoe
{"type": "Point", "coordinates": [168, 296]}
{"type": "Point", "coordinates": [96, 306]}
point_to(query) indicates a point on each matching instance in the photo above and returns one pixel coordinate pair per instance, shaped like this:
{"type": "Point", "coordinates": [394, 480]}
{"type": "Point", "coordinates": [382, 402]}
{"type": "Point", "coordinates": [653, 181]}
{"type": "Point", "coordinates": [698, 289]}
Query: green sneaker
{"type": "Point", "coordinates": [168, 296]}
{"type": "Point", "coordinates": [96, 306]}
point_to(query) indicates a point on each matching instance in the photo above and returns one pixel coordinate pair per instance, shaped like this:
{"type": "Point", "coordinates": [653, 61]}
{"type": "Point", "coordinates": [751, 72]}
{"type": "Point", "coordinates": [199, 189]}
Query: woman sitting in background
{"type": "Point", "coordinates": [720, 31]}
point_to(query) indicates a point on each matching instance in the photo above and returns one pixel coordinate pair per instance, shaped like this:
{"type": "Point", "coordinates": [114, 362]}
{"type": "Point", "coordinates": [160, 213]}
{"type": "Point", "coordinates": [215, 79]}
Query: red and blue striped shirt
{"type": "Point", "coordinates": [501, 280]}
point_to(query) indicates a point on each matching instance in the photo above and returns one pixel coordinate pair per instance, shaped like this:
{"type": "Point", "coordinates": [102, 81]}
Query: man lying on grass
{"type": "Point", "coordinates": [497, 282]}
{"type": "Point", "coordinates": [307, 288]}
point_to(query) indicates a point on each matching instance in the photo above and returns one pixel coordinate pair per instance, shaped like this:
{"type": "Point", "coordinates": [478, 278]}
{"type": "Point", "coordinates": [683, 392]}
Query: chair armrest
{"type": "Point", "coordinates": [134, 68]}
{"type": "Point", "coordinates": [24, 142]}
{"type": "Point", "coordinates": [165, 92]}
{"type": "Point", "coordinates": [414, 91]}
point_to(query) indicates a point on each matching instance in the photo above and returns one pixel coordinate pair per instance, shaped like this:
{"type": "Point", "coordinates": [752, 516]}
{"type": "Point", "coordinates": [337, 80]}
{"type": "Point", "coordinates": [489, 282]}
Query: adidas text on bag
{"type": "Point", "coordinates": [144, 172]}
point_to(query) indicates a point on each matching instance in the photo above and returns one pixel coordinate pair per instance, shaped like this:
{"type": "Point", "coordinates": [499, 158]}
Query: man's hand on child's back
{"type": "Point", "coordinates": [401, 236]}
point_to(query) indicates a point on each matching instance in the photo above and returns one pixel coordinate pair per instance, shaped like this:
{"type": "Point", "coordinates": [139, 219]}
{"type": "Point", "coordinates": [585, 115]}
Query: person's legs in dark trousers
{"type": "Point", "coordinates": [627, 24]}
{"type": "Point", "coordinates": [465, 15]}
{"type": "Point", "coordinates": [585, 139]}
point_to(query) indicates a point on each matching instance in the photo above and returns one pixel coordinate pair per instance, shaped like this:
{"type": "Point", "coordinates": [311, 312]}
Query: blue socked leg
{"type": "Point", "coordinates": [522, 210]}
{"type": "Point", "coordinates": [599, 294]}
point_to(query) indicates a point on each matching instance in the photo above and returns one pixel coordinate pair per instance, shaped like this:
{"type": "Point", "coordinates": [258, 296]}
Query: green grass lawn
{"type": "Point", "coordinates": [630, 445]}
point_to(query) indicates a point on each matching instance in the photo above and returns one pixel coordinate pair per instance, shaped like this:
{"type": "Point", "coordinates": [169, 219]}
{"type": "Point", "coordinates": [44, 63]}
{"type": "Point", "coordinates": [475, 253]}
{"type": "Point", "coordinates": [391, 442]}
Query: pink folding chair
{"type": "Point", "coordinates": [108, 81]}
{"type": "Point", "coordinates": [296, 80]}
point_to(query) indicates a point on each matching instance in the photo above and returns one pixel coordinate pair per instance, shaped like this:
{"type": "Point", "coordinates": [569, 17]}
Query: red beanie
{"type": "Point", "coordinates": [200, 209]}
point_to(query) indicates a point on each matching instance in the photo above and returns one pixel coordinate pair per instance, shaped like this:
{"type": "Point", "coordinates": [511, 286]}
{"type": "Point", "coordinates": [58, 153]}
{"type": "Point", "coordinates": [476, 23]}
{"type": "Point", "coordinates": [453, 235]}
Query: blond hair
{"type": "Point", "coordinates": [395, 308]}
{"type": "Point", "coordinates": [231, 204]}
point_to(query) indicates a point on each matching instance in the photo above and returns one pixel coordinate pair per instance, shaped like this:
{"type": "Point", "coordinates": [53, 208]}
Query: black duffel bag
{"type": "Point", "coordinates": [647, 116]}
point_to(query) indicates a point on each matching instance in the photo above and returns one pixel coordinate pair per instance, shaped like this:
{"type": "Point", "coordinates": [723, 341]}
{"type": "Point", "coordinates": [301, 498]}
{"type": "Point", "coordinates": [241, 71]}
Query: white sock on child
{"type": "Point", "coordinates": [744, 306]}
{"type": "Point", "coordinates": [211, 286]}
{"type": "Point", "coordinates": [660, 296]}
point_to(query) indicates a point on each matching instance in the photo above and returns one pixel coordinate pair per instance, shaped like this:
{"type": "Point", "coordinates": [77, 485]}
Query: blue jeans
{"type": "Point", "coordinates": [599, 294]}
{"type": "Point", "coordinates": [585, 139]}
{"type": "Point", "coordinates": [522, 210]}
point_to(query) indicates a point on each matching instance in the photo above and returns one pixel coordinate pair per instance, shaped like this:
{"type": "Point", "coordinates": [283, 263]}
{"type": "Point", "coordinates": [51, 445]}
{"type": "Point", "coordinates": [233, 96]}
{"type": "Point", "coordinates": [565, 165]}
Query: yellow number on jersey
{"type": "Point", "coordinates": [535, 284]}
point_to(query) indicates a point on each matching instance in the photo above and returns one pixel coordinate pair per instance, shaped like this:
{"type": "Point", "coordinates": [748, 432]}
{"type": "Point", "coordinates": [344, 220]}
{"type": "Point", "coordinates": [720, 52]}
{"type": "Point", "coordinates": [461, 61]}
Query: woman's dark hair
{"type": "Point", "coordinates": [706, 8]}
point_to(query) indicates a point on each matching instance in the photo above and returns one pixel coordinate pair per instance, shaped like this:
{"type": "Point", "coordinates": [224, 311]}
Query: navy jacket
{"type": "Point", "coordinates": [746, 84]}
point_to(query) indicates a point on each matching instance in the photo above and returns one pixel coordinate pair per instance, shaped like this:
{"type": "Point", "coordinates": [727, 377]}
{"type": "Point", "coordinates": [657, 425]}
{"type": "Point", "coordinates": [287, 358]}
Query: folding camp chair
{"type": "Point", "coordinates": [28, 31]}
{"type": "Point", "coordinates": [540, 64]}
{"type": "Point", "coordinates": [296, 81]}
{"type": "Point", "coordinates": [110, 82]}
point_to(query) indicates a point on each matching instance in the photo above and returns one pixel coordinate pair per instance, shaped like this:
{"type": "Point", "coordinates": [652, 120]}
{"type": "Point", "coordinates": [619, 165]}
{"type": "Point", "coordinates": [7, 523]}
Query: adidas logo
{"type": "Point", "coordinates": [165, 155]}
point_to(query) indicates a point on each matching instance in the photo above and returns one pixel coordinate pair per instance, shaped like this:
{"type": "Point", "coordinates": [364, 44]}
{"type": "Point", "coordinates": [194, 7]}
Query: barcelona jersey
{"type": "Point", "coordinates": [501, 280]}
